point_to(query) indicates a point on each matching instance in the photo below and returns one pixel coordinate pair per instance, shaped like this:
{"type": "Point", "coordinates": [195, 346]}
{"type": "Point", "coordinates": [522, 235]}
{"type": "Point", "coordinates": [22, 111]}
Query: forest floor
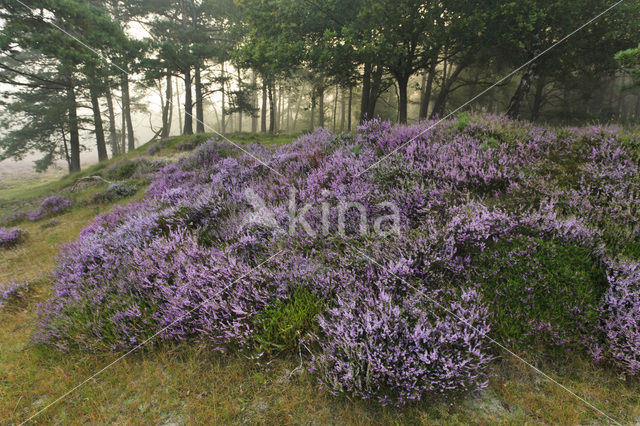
{"type": "Point", "coordinates": [186, 384]}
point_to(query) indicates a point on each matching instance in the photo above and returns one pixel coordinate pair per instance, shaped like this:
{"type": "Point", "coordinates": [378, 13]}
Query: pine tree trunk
{"type": "Point", "coordinates": [263, 111]}
{"type": "Point", "coordinates": [188, 104]}
{"type": "Point", "coordinates": [335, 109]}
{"type": "Point", "coordinates": [425, 96]}
{"type": "Point", "coordinates": [178, 96]}
{"type": "Point", "coordinates": [295, 117]}
{"type": "Point", "coordinates": [113, 137]}
{"type": "Point", "coordinates": [199, 105]}
{"type": "Point", "coordinates": [403, 82]}
{"type": "Point", "coordinates": [313, 108]}
{"type": "Point", "coordinates": [366, 92]}
{"type": "Point", "coordinates": [97, 123]}
{"type": "Point", "coordinates": [223, 95]}
{"type": "Point", "coordinates": [74, 134]}
{"type": "Point", "coordinates": [126, 110]}
{"type": "Point", "coordinates": [374, 91]}
{"type": "Point", "coordinates": [66, 147]}
{"type": "Point", "coordinates": [272, 109]}
{"type": "Point", "coordinates": [254, 102]}
{"type": "Point", "coordinates": [349, 109]}
{"type": "Point", "coordinates": [168, 106]}
{"type": "Point", "coordinates": [321, 103]}
{"type": "Point", "coordinates": [239, 111]}
{"type": "Point", "coordinates": [343, 112]}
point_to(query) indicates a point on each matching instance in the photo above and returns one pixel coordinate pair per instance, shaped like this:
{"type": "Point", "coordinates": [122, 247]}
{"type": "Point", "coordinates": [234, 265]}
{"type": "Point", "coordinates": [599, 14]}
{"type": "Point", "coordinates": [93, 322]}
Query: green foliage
{"type": "Point", "coordinates": [463, 121]}
{"type": "Point", "coordinates": [630, 61]}
{"type": "Point", "coordinates": [281, 327]}
{"type": "Point", "coordinates": [540, 291]}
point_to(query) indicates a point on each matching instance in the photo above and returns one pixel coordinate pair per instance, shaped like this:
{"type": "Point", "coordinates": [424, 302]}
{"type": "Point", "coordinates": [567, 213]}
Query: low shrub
{"type": "Point", "coordinates": [10, 238]}
{"type": "Point", "coordinates": [376, 345]}
{"type": "Point", "coordinates": [49, 207]}
{"type": "Point", "coordinates": [121, 170]}
{"type": "Point", "coordinates": [115, 191]}
{"type": "Point", "coordinates": [154, 149]}
{"type": "Point", "coordinates": [620, 317]}
{"type": "Point", "coordinates": [12, 292]}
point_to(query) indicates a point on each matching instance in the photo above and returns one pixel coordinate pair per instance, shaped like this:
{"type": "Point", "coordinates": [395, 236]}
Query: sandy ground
{"type": "Point", "coordinates": [14, 172]}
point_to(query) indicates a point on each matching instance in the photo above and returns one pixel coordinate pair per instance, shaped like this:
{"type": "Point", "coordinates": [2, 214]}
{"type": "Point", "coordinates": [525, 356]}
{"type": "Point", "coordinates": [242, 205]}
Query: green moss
{"type": "Point", "coordinates": [540, 291]}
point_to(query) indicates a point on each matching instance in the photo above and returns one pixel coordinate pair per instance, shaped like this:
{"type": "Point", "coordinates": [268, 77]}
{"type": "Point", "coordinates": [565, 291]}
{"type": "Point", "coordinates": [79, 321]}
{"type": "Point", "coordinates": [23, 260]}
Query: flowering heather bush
{"type": "Point", "coordinates": [620, 317]}
{"type": "Point", "coordinates": [487, 207]}
{"type": "Point", "coordinates": [12, 292]}
{"type": "Point", "coordinates": [401, 349]}
{"type": "Point", "coordinates": [10, 238]}
{"type": "Point", "coordinates": [49, 207]}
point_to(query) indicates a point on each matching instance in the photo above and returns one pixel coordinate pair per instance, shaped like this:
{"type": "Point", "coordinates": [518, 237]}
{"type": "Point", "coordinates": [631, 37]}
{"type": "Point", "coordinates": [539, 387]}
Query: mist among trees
{"type": "Point", "coordinates": [75, 73]}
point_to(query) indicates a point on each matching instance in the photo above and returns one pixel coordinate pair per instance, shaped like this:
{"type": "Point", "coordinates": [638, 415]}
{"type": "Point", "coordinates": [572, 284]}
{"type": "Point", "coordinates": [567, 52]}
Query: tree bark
{"type": "Point", "coordinates": [313, 108]}
{"type": "Point", "coordinates": [168, 106]}
{"type": "Point", "coordinates": [178, 95]}
{"type": "Point", "coordinates": [374, 91]}
{"type": "Point", "coordinates": [295, 117]}
{"type": "Point", "coordinates": [199, 105]}
{"type": "Point", "coordinates": [113, 137]}
{"type": "Point", "coordinates": [66, 147]}
{"type": "Point", "coordinates": [94, 93]}
{"type": "Point", "coordinates": [335, 109]}
{"type": "Point", "coordinates": [223, 91]}
{"type": "Point", "coordinates": [239, 111]}
{"type": "Point", "coordinates": [350, 105]}
{"type": "Point", "coordinates": [343, 112]}
{"type": "Point", "coordinates": [74, 135]}
{"type": "Point", "coordinates": [188, 104]}
{"type": "Point", "coordinates": [263, 111]}
{"type": "Point", "coordinates": [537, 101]}
{"type": "Point", "coordinates": [403, 82]}
{"type": "Point", "coordinates": [441, 101]}
{"type": "Point", "coordinates": [366, 91]}
{"type": "Point", "coordinates": [254, 102]}
{"type": "Point", "coordinates": [126, 110]}
{"type": "Point", "coordinates": [321, 104]}
{"type": "Point", "coordinates": [513, 110]}
{"type": "Point", "coordinates": [272, 109]}
{"type": "Point", "coordinates": [425, 96]}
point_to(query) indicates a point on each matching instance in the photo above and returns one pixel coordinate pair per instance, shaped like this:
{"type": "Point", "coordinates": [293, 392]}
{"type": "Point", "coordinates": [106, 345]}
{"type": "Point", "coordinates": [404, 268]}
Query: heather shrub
{"type": "Point", "coordinates": [51, 223]}
{"type": "Point", "coordinates": [376, 345]}
{"type": "Point", "coordinates": [540, 291]}
{"type": "Point", "coordinates": [283, 325]}
{"type": "Point", "coordinates": [10, 293]}
{"type": "Point", "coordinates": [49, 207]}
{"type": "Point", "coordinates": [13, 218]}
{"type": "Point", "coordinates": [154, 149]}
{"type": "Point", "coordinates": [503, 224]}
{"type": "Point", "coordinates": [121, 170]}
{"type": "Point", "coordinates": [620, 317]}
{"type": "Point", "coordinates": [10, 238]}
{"type": "Point", "coordinates": [114, 192]}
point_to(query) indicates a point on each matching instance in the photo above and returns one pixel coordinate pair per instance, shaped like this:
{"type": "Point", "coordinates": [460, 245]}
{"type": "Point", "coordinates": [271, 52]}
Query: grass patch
{"type": "Point", "coordinates": [281, 327]}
